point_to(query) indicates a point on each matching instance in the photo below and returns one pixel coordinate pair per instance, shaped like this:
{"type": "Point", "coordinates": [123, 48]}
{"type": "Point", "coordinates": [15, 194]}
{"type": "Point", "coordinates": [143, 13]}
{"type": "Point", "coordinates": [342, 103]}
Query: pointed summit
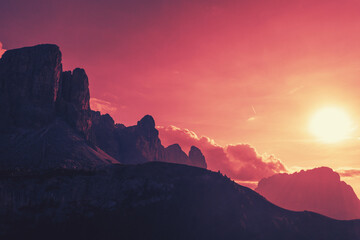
{"type": "Point", "coordinates": [196, 157]}
{"type": "Point", "coordinates": [147, 122]}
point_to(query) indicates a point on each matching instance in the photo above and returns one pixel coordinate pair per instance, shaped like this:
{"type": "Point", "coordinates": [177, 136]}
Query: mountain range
{"type": "Point", "coordinates": [67, 172]}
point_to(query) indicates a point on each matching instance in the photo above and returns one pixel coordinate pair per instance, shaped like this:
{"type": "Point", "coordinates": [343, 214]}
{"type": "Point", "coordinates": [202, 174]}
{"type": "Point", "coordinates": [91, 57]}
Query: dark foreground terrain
{"type": "Point", "coordinates": [149, 201]}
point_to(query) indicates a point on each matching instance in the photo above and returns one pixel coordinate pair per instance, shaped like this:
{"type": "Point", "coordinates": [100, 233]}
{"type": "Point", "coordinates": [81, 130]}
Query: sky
{"type": "Point", "coordinates": [242, 78]}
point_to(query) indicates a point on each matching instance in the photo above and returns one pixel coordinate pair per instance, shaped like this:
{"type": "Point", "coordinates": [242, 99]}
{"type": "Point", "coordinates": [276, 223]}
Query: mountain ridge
{"type": "Point", "coordinates": [56, 183]}
{"type": "Point", "coordinates": [319, 190]}
{"type": "Point", "coordinates": [36, 92]}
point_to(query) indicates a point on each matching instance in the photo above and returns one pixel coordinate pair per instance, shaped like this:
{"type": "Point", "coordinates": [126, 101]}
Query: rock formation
{"type": "Point", "coordinates": [319, 190]}
{"type": "Point", "coordinates": [197, 158]}
{"type": "Point", "coordinates": [45, 109]}
{"type": "Point", "coordinates": [29, 83]}
{"type": "Point", "coordinates": [73, 101]}
{"type": "Point", "coordinates": [45, 115]}
{"type": "Point", "coordinates": [130, 145]}
{"type": "Point", "coordinates": [139, 143]}
{"type": "Point", "coordinates": [175, 154]}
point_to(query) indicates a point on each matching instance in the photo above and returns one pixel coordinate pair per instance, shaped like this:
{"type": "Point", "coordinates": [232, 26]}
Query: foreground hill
{"type": "Point", "coordinates": [150, 201]}
{"type": "Point", "coordinates": [319, 190]}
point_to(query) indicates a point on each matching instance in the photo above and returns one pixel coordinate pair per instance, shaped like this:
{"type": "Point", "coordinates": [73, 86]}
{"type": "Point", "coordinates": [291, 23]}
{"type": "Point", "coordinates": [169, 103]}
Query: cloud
{"type": "Point", "coordinates": [102, 106]}
{"type": "Point", "coordinates": [349, 172]}
{"type": "Point", "coordinates": [1, 49]}
{"type": "Point", "coordinates": [240, 162]}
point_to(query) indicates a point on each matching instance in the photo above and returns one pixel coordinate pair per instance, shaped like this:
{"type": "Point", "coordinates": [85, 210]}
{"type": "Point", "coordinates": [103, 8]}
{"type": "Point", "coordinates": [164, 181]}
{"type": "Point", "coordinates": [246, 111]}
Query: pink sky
{"type": "Point", "coordinates": [235, 71]}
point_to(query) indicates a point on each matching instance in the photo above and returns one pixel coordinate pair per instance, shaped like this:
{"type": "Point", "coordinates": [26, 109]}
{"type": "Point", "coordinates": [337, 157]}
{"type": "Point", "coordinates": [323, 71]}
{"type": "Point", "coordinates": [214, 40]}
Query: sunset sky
{"type": "Point", "coordinates": [233, 72]}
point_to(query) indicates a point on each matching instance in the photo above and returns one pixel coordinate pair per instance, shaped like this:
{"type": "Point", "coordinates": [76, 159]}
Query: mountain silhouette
{"type": "Point", "coordinates": [68, 172]}
{"type": "Point", "coordinates": [319, 190]}
{"type": "Point", "coordinates": [46, 120]}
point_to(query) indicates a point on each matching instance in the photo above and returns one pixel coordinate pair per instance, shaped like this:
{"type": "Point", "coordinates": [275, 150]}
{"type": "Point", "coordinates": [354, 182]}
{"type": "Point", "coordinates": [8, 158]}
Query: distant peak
{"type": "Point", "coordinates": [193, 148]}
{"type": "Point", "coordinates": [174, 146]}
{"type": "Point", "coordinates": [147, 122]}
{"type": "Point", "coordinates": [196, 157]}
{"type": "Point", "coordinates": [79, 71]}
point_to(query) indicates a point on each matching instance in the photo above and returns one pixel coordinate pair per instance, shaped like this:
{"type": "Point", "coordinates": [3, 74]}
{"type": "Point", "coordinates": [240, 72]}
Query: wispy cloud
{"type": "Point", "coordinates": [102, 106]}
{"type": "Point", "coordinates": [349, 172]}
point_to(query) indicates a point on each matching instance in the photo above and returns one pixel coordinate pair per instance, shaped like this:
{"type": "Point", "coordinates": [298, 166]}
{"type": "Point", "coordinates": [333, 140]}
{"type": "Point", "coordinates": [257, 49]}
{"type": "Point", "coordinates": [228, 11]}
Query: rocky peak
{"type": "Point", "coordinates": [73, 101]}
{"type": "Point", "coordinates": [196, 157]}
{"type": "Point", "coordinates": [75, 88]}
{"type": "Point", "coordinates": [175, 154]}
{"type": "Point", "coordinates": [147, 122]}
{"type": "Point", "coordinates": [29, 83]}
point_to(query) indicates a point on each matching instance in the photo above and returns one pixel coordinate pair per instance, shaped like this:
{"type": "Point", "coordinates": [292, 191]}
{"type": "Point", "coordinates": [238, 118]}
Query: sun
{"type": "Point", "coordinates": [331, 125]}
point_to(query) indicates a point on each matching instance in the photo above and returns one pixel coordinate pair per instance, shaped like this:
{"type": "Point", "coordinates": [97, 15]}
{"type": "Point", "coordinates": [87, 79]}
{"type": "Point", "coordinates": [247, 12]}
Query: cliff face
{"type": "Point", "coordinates": [29, 83]}
{"type": "Point", "coordinates": [45, 115]}
{"type": "Point", "coordinates": [175, 154]}
{"type": "Point", "coordinates": [130, 145]}
{"type": "Point", "coordinates": [319, 190]}
{"type": "Point", "coordinates": [73, 101]}
{"type": "Point", "coordinates": [197, 158]}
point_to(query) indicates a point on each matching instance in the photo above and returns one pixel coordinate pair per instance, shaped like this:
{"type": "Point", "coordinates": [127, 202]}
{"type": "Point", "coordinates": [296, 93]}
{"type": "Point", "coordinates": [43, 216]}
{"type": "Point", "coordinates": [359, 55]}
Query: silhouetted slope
{"type": "Point", "coordinates": [150, 201]}
{"type": "Point", "coordinates": [54, 146]}
{"type": "Point", "coordinates": [319, 190]}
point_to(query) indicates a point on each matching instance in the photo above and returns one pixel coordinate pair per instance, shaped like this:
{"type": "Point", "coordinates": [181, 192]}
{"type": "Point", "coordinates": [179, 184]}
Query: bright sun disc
{"type": "Point", "coordinates": [331, 125]}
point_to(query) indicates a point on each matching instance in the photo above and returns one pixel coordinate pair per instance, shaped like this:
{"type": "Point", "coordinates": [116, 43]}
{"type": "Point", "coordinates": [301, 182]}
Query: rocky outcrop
{"type": "Point", "coordinates": [29, 83]}
{"type": "Point", "coordinates": [130, 145]}
{"type": "Point", "coordinates": [319, 190]}
{"type": "Point", "coordinates": [104, 133]}
{"type": "Point", "coordinates": [73, 101]}
{"type": "Point", "coordinates": [45, 110]}
{"type": "Point", "coordinates": [175, 154]}
{"type": "Point", "coordinates": [45, 118]}
{"type": "Point", "coordinates": [139, 143]}
{"type": "Point", "coordinates": [197, 158]}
